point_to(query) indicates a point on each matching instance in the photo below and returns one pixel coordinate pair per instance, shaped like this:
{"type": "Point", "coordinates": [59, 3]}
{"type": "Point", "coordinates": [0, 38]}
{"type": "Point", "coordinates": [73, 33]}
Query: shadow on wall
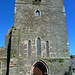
{"type": "Point", "coordinates": [8, 54]}
{"type": "Point", "coordinates": [69, 71]}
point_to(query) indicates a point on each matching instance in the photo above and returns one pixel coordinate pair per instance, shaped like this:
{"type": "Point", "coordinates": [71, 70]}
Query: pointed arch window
{"type": "Point", "coordinates": [37, 13]}
{"type": "Point", "coordinates": [38, 47]}
{"type": "Point", "coordinates": [47, 48]}
{"type": "Point", "coordinates": [29, 48]}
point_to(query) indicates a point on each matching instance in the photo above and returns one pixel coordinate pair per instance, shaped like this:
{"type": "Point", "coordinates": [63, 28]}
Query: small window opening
{"type": "Point", "coordinates": [29, 48]}
{"type": "Point", "coordinates": [47, 48]}
{"type": "Point", "coordinates": [38, 47]}
{"type": "Point", "coordinates": [37, 13]}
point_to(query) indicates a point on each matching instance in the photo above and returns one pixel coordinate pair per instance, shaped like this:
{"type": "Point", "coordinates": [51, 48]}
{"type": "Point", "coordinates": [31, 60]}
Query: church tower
{"type": "Point", "coordinates": [37, 43]}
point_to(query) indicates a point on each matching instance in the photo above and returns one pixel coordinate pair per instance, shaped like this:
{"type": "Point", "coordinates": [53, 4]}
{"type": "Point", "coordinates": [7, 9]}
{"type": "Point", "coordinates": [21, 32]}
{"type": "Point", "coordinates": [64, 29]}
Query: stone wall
{"type": "Point", "coordinates": [3, 60]}
{"type": "Point", "coordinates": [49, 26]}
{"type": "Point", "coordinates": [15, 41]}
{"type": "Point", "coordinates": [55, 66]}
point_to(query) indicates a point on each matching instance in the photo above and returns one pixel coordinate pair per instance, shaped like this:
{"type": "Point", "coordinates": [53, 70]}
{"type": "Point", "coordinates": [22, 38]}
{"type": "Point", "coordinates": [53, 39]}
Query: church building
{"type": "Point", "coordinates": [37, 43]}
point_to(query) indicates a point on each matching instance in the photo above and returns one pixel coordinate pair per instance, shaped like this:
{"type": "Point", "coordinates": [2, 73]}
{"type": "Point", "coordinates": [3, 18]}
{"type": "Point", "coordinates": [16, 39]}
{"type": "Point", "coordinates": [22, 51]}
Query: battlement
{"type": "Point", "coordinates": [41, 2]}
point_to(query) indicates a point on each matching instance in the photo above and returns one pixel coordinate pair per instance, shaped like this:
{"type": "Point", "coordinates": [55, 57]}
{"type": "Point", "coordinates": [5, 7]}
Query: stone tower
{"type": "Point", "coordinates": [37, 43]}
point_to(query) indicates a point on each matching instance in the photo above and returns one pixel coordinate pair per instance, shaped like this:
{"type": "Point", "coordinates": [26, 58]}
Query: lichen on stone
{"type": "Point", "coordinates": [61, 60]}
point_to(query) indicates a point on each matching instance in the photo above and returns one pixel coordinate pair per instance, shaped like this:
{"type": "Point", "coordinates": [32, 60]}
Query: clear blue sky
{"type": "Point", "coordinates": [7, 20]}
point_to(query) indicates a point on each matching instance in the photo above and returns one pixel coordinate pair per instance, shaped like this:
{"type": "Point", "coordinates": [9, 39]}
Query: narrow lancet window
{"type": "Point", "coordinates": [47, 48]}
{"type": "Point", "coordinates": [29, 48]}
{"type": "Point", "coordinates": [38, 47]}
{"type": "Point", "coordinates": [37, 13]}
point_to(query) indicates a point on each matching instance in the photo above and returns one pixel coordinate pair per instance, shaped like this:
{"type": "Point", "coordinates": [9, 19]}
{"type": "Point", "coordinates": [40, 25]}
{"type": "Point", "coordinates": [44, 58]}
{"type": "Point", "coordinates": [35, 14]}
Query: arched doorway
{"type": "Point", "coordinates": [39, 69]}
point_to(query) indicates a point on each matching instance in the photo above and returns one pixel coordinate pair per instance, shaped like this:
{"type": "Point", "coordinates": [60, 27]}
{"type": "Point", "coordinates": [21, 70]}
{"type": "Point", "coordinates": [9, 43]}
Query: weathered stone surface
{"type": "Point", "coordinates": [48, 26]}
{"type": "Point", "coordinates": [54, 65]}
{"type": "Point", "coordinates": [3, 52]}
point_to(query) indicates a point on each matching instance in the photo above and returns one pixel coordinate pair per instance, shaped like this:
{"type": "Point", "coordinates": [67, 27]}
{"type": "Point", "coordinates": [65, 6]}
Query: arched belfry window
{"type": "Point", "coordinates": [47, 48]}
{"type": "Point", "coordinates": [37, 13]}
{"type": "Point", "coordinates": [29, 48]}
{"type": "Point", "coordinates": [38, 47]}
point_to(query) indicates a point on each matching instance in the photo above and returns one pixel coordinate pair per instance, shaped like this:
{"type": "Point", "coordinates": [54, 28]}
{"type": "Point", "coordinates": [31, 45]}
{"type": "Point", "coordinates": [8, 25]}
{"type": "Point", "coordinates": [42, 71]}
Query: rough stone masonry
{"type": "Point", "coordinates": [37, 43]}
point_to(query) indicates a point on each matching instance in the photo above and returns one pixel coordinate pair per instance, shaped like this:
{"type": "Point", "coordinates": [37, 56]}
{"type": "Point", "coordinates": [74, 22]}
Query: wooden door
{"type": "Point", "coordinates": [37, 71]}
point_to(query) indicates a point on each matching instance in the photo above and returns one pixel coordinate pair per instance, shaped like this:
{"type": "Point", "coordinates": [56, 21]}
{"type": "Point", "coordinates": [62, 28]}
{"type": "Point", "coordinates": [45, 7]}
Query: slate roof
{"type": "Point", "coordinates": [73, 62]}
